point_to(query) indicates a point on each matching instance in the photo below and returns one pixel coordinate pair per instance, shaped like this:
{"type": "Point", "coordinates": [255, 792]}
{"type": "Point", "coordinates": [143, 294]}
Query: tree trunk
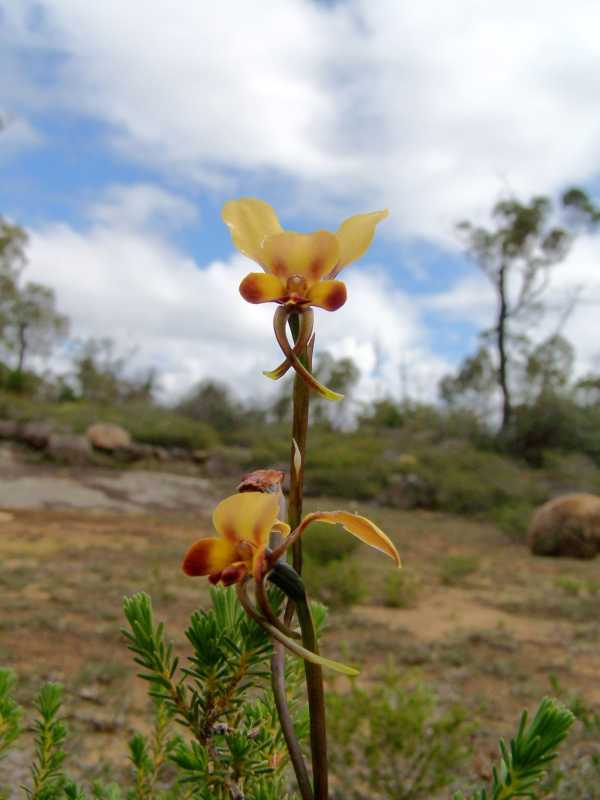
{"type": "Point", "coordinates": [501, 332]}
{"type": "Point", "coordinates": [22, 348]}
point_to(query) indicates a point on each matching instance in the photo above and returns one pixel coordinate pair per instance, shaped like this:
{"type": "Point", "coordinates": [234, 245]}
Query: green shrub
{"type": "Point", "coordinates": [394, 741]}
{"type": "Point", "coordinates": [454, 569]}
{"type": "Point", "coordinates": [464, 480]}
{"type": "Point", "coordinates": [145, 422]}
{"type": "Point", "coordinates": [513, 518]}
{"type": "Point", "coordinates": [324, 543]}
{"type": "Point", "coordinates": [400, 589]}
{"type": "Point", "coordinates": [338, 583]}
{"type": "Point", "coordinates": [346, 465]}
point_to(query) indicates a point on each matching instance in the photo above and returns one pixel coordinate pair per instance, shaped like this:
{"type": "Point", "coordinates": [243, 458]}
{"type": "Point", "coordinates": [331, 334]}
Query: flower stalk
{"type": "Point", "coordinates": [313, 672]}
{"type": "Point", "coordinates": [300, 409]}
{"type": "Point", "coordinates": [299, 273]}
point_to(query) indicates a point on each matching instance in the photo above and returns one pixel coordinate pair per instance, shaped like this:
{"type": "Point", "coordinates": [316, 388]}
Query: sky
{"type": "Point", "coordinates": [128, 125]}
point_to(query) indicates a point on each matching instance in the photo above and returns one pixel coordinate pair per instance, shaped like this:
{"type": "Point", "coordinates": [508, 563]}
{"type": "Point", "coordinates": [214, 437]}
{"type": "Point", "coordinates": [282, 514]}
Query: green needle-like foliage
{"type": "Point", "coordinates": [10, 713]}
{"type": "Point", "coordinates": [222, 698]}
{"type": "Point", "coordinates": [50, 734]}
{"type": "Point", "coordinates": [149, 755]}
{"type": "Point", "coordinates": [530, 753]}
{"type": "Point", "coordinates": [74, 792]}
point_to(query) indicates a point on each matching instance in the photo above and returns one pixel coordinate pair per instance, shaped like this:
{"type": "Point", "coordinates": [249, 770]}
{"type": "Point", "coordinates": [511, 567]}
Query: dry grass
{"type": "Point", "coordinates": [490, 641]}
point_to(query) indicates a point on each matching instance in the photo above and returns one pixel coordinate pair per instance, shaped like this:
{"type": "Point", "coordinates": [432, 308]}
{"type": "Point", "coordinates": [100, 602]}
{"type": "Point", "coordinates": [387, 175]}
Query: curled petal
{"type": "Point", "coordinates": [362, 528]}
{"type": "Point", "coordinates": [208, 557]}
{"type": "Point", "coordinates": [281, 527]}
{"type": "Point", "coordinates": [279, 321]}
{"type": "Point", "coordinates": [260, 288]}
{"type": "Point", "coordinates": [250, 221]}
{"type": "Point", "coordinates": [292, 646]}
{"type": "Point", "coordinates": [308, 655]}
{"type": "Point", "coordinates": [355, 235]}
{"type": "Point", "coordinates": [329, 295]}
{"type": "Point", "coordinates": [307, 319]}
{"type": "Point", "coordinates": [248, 516]}
{"type": "Point", "coordinates": [311, 255]}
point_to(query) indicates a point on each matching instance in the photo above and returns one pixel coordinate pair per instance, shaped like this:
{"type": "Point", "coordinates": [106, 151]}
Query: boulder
{"type": "Point", "coordinates": [69, 448]}
{"type": "Point", "coordinates": [138, 451]}
{"type": "Point", "coordinates": [36, 434]}
{"type": "Point", "coordinates": [566, 526]}
{"type": "Point", "coordinates": [109, 437]}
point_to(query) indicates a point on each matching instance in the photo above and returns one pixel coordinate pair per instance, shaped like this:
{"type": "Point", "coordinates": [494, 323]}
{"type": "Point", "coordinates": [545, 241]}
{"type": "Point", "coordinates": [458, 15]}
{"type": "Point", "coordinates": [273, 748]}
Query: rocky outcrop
{"type": "Point", "coordinates": [69, 448]}
{"type": "Point", "coordinates": [9, 429]}
{"type": "Point", "coordinates": [36, 434]}
{"type": "Point", "coordinates": [566, 526]}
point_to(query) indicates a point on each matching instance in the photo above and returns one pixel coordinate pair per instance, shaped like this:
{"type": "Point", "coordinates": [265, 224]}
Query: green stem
{"type": "Point", "coordinates": [287, 726]}
{"type": "Point", "coordinates": [313, 672]}
{"type": "Point", "coordinates": [316, 703]}
{"type": "Point", "coordinates": [300, 406]}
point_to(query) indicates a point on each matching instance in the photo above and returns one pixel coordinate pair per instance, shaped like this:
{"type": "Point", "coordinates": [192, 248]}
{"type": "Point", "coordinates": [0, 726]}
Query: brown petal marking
{"type": "Point", "coordinates": [208, 556]}
{"type": "Point", "coordinates": [229, 534]}
{"type": "Point", "coordinates": [316, 269]}
{"type": "Point", "coordinates": [233, 574]}
{"type": "Point", "coordinates": [214, 578]}
{"type": "Point", "coordinates": [329, 295]}
{"type": "Point", "coordinates": [278, 268]}
{"type": "Point", "coordinates": [337, 298]}
{"type": "Point", "coordinates": [260, 287]}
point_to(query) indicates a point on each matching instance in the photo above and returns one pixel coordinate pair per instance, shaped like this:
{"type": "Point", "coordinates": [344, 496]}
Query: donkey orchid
{"type": "Point", "coordinates": [245, 522]}
{"type": "Point", "coordinates": [300, 271]}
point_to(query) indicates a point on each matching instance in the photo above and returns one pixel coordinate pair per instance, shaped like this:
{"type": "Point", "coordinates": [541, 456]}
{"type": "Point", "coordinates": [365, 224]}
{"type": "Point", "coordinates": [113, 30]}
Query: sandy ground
{"type": "Point", "coordinates": [73, 542]}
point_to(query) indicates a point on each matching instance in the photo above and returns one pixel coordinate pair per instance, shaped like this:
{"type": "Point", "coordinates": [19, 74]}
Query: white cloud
{"type": "Point", "coordinates": [16, 134]}
{"type": "Point", "coordinates": [119, 279]}
{"type": "Point", "coordinates": [430, 108]}
{"type": "Point", "coordinates": [141, 205]}
{"type": "Point", "coordinates": [471, 299]}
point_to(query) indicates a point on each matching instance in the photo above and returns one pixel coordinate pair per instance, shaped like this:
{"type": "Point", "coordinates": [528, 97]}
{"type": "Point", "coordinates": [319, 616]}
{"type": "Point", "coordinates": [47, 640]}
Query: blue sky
{"type": "Point", "coordinates": [130, 124]}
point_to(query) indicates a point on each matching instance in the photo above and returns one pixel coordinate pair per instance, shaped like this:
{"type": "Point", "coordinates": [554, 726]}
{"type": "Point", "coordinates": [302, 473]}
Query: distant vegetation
{"type": "Point", "coordinates": [512, 427]}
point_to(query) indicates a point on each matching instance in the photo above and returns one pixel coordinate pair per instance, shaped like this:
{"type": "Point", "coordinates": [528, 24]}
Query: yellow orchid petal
{"type": "Point", "coordinates": [260, 288]}
{"type": "Point", "coordinates": [250, 221]}
{"type": "Point", "coordinates": [209, 556]}
{"type": "Point", "coordinates": [281, 527]}
{"type": "Point", "coordinates": [248, 516]}
{"type": "Point", "coordinates": [355, 235]}
{"type": "Point", "coordinates": [311, 255]}
{"type": "Point", "coordinates": [362, 528]}
{"type": "Point", "coordinates": [329, 295]}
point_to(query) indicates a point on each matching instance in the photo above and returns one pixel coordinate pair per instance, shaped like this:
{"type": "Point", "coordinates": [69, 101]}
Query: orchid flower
{"type": "Point", "coordinates": [245, 522]}
{"type": "Point", "coordinates": [299, 270]}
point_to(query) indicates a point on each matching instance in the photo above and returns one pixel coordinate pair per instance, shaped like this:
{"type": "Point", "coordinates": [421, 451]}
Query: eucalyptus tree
{"type": "Point", "coordinates": [516, 254]}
